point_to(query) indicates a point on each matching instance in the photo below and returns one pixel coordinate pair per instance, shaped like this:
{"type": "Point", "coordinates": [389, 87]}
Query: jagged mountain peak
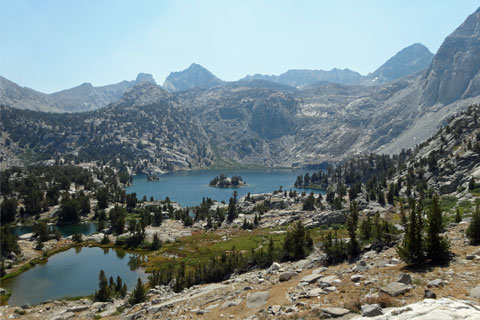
{"type": "Point", "coordinates": [409, 60]}
{"type": "Point", "coordinates": [145, 77]}
{"type": "Point", "coordinates": [194, 76]}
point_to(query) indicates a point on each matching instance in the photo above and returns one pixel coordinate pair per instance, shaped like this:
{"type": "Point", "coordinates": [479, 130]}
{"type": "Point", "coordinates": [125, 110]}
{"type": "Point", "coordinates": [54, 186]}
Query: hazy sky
{"type": "Point", "coordinates": [51, 45]}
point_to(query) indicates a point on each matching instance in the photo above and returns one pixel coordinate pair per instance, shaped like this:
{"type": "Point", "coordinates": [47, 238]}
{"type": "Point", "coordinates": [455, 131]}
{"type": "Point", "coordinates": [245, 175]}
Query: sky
{"type": "Point", "coordinates": [51, 45]}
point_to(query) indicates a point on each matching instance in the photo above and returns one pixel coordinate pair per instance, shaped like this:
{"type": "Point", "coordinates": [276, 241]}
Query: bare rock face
{"type": "Point", "coordinates": [455, 70]}
{"type": "Point", "coordinates": [257, 299]}
{"type": "Point", "coordinates": [432, 309]}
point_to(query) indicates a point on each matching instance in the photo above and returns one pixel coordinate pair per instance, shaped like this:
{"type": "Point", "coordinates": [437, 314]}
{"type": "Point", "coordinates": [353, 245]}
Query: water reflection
{"type": "Point", "coordinates": [134, 262]}
{"type": "Point", "coordinates": [120, 254]}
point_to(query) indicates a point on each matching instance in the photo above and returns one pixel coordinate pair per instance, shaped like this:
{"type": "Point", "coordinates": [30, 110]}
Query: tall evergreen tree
{"type": "Point", "coordinates": [298, 242]}
{"type": "Point", "coordinates": [352, 223]}
{"type": "Point", "coordinates": [138, 294]}
{"type": "Point", "coordinates": [232, 212]}
{"type": "Point", "coordinates": [103, 294]}
{"type": "Point", "coordinates": [458, 215]}
{"type": "Point", "coordinates": [366, 229]}
{"type": "Point", "coordinates": [411, 250]}
{"type": "Point", "coordinates": [156, 243]}
{"type": "Point", "coordinates": [436, 246]}
{"type": "Point", "coordinates": [8, 210]}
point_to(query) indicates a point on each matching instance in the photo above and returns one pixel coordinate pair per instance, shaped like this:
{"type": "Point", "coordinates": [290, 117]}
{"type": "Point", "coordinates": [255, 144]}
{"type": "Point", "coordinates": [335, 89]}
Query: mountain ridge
{"type": "Point", "coordinates": [263, 123]}
{"type": "Point", "coordinates": [84, 97]}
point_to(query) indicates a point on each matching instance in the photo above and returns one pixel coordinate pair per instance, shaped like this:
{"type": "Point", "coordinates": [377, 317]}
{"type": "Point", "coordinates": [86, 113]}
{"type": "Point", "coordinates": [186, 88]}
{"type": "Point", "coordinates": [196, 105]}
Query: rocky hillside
{"type": "Point", "coordinates": [408, 61]}
{"type": "Point", "coordinates": [193, 76]}
{"type": "Point", "coordinates": [145, 129]}
{"type": "Point", "coordinates": [450, 159]}
{"type": "Point", "coordinates": [84, 97]}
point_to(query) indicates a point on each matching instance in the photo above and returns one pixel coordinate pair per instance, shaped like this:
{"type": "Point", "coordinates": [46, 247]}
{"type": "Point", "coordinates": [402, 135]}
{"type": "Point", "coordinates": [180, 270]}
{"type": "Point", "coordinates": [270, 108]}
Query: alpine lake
{"type": "Point", "coordinates": [74, 272]}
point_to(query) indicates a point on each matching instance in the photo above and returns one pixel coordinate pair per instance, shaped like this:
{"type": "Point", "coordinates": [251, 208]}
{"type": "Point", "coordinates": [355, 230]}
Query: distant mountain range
{"type": "Point", "coordinates": [299, 78]}
{"type": "Point", "coordinates": [409, 60]}
{"type": "Point", "coordinates": [84, 97]}
{"type": "Point", "coordinates": [258, 122]}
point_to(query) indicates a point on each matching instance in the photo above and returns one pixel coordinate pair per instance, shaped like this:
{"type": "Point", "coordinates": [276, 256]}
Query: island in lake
{"type": "Point", "coordinates": [153, 177]}
{"type": "Point", "coordinates": [223, 181]}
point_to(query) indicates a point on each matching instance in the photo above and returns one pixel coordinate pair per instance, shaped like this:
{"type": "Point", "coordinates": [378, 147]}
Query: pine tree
{"type": "Point", "coordinates": [103, 293]}
{"type": "Point", "coordinates": [378, 228]}
{"type": "Point", "coordinates": [352, 223]}
{"type": "Point", "coordinates": [156, 243]}
{"type": "Point", "coordinates": [458, 216]}
{"type": "Point", "coordinates": [411, 250]}
{"type": "Point", "coordinates": [123, 292]}
{"type": "Point", "coordinates": [298, 242]}
{"type": "Point", "coordinates": [334, 248]}
{"type": "Point", "coordinates": [231, 211]}
{"type": "Point", "coordinates": [138, 294]}
{"type": "Point", "coordinates": [436, 246]}
{"type": "Point", "coordinates": [390, 194]}
{"type": "Point", "coordinates": [471, 184]}
{"type": "Point", "coordinates": [473, 230]}
{"type": "Point", "coordinates": [403, 217]}
{"type": "Point", "coordinates": [118, 285]}
{"type": "Point", "coordinates": [111, 284]}
{"type": "Point", "coordinates": [366, 229]}
{"type": "Point", "coordinates": [309, 203]}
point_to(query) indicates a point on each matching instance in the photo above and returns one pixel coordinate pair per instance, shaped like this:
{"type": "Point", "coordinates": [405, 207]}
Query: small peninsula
{"type": "Point", "coordinates": [223, 181]}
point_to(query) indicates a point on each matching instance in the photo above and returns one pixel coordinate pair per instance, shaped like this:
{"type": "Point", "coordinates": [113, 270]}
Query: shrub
{"type": "Point", "coordinates": [297, 243]}
{"type": "Point", "coordinates": [335, 249]}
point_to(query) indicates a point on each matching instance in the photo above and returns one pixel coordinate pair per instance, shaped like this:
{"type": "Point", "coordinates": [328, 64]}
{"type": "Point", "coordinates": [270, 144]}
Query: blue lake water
{"type": "Point", "coordinates": [189, 187]}
{"type": "Point", "coordinates": [73, 273]}
{"type": "Point", "coordinates": [65, 230]}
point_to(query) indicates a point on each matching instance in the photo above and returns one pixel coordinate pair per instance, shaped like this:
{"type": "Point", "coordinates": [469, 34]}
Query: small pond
{"type": "Point", "coordinates": [73, 273]}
